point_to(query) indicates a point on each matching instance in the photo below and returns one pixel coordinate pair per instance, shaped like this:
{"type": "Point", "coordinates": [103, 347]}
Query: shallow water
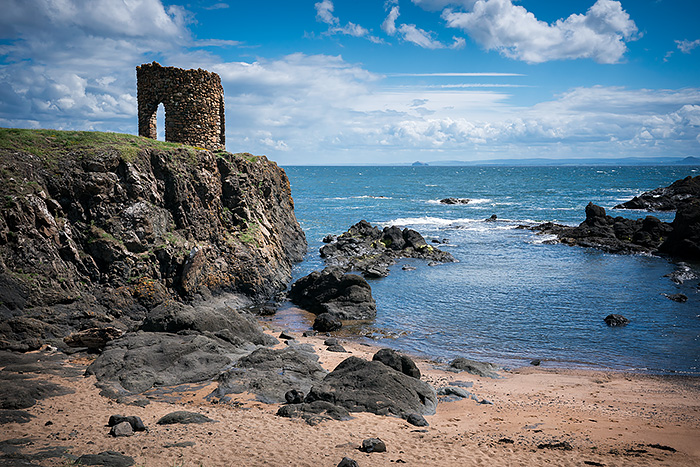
{"type": "Point", "coordinates": [511, 298]}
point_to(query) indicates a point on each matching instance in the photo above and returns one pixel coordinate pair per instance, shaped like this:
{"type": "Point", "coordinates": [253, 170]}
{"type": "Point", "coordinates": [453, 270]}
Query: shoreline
{"type": "Point", "coordinates": [295, 319]}
{"type": "Point", "coordinates": [539, 415]}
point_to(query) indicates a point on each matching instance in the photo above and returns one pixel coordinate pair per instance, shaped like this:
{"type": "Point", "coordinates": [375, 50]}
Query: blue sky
{"type": "Point", "coordinates": [360, 81]}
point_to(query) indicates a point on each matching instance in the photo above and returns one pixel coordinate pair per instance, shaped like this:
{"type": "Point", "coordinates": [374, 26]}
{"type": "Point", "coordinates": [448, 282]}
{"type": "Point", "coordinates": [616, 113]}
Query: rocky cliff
{"type": "Point", "coordinates": [97, 229]}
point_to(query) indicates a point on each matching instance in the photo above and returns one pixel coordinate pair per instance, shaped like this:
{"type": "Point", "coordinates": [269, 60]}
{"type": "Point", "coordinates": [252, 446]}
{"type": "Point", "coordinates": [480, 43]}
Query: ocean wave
{"type": "Point", "coordinates": [341, 198]}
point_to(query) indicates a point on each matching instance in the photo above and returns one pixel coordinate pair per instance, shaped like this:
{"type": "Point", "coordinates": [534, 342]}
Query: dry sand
{"type": "Point", "coordinates": [610, 419]}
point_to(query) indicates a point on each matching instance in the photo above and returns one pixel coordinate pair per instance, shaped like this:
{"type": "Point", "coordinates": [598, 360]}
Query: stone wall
{"type": "Point", "coordinates": [193, 102]}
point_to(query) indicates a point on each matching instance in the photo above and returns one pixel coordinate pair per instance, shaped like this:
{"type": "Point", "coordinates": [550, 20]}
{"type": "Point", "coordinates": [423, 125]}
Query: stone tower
{"type": "Point", "coordinates": [193, 102]}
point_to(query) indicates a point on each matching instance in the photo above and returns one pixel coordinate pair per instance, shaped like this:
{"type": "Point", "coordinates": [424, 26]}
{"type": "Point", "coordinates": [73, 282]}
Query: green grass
{"type": "Point", "coordinates": [53, 145]}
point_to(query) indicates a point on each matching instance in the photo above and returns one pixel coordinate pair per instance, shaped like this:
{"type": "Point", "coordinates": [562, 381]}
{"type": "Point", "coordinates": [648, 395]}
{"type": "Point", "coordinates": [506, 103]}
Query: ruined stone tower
{"type": "Point", "coordinates": [193, 102]}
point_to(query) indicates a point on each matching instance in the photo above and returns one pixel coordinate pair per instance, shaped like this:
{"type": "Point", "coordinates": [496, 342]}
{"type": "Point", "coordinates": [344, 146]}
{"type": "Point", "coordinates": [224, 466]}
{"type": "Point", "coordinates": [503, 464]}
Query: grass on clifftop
{"type": "Point", "coordinates": [51, 145]}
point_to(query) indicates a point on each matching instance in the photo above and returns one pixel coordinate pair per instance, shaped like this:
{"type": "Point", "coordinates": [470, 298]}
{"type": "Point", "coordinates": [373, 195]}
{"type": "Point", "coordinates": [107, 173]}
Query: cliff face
{"type": "Point", "coordinates": [99, 228]}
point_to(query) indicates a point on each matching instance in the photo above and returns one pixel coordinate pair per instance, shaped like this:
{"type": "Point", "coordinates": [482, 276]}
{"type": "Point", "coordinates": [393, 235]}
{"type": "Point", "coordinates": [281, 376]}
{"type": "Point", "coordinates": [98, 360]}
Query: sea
{"type": "Point", "coordinates": [512, 296]}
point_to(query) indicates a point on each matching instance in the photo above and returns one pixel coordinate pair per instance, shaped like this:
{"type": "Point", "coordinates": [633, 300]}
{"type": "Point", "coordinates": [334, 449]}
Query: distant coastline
{"type": "Point", "coordinates": [534, 162]}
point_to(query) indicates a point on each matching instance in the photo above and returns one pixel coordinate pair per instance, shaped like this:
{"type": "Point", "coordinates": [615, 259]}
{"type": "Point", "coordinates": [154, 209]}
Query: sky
{"type": "Point", "coordinates": [374, 81]}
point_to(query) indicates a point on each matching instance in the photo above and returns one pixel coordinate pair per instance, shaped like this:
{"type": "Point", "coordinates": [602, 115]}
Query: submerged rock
{"type": "Point", "coordinates": [455, 201]}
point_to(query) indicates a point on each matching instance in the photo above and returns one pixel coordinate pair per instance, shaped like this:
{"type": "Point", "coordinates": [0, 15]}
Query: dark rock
{"type": "Point", "coordinates": [93, 338]}
{"type": "Point", "coordinates": [336, 348]}
{"type": "Point", "coordinates": [106, 458]}
{"type": "Point", "coordinates": [315, 412]}
{"type": "Point", "coordinates": [139, 361]}
{"type": "Point", "coordinates": [286, 335]}
{"type": "Point", "coordinates": [214, 317]}
{"type": "Point", "coordinates": [506, 441]}
{"type": "Point", "coordinates": [407, 267]}
{"type": "Point", "coordinates": [347, 462]}
{"type": "Point", "coordinates": [454, 391]}
{"type": "Point", "coordinates": [398, 362]}
{"type": "Point", "coordinates": [455, 201]}
{"type": "Point", "coordinates": [122, 429]}
{"type": "Point", "coordinates": [493, 218]}
{"type": "Point", "coordinates": [14, 416]}
{"type": "Point", "coordinates": [362, 386]}
{"type": "Point", "coordinates": [616, 320]}
{"type": "Point", "coordinates": [476, 368]}
{"type": "Point", "coordinates": [184, 444]}
{"type": "Point", "coordinates": [346, 296]}
{"type": "Point", "coordinates": [331, 341]}
{"type": "Point", "coordinates": [370, 250]}
{"type": "Point", "coordinates": [536, 362]}
{"type": "Point", "coordinates": [677, 297]}
{"type": "Point", "coordinates": [135, 422]}
{"type": "Point", "coordinates": [294, 397]}
{"type": "Point", "coordinates": [613, 235]}
{"type": "Point", "coordinates": [373, 445]}
{"type": "Point", "coordinates": [270, 373]}
{"type": "Point", "coordinates": [684, 240]}
{"type": "Point", "coordinates": [328, 238]}
{"type": "Point", "coordinates": [416, 419]}
{"type": "Point", "coordinates": [182, 417]}
{"type": "Point", "coordinates": [309, 333]}
{"type": "Point", "coordinates": [21, 391]}
{"type": "Point", "coordinates": [668, 198]}
{"type": "Point", "coordinates": [562, 445]}
{"type": "Point", "coordinates": [326, 322]}
{"type": "Point", "coordinates": [662, 447]}
{"type": "Point", "coordinates": [90, 243]}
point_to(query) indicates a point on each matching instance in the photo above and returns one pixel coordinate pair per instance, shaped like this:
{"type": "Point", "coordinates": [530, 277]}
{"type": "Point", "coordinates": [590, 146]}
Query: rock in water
{"type": "Point", "coordinates": [455, 201]}
{"type": "Point", "coordinates": [362, 386]}
{"type": "Point", "coordinates": [346, 296]}
{"type": "Point", "coordinates": [616, 320]}
{"type": "Point", "coordinates": [677, 297]}
{"type": "Point", "coordinates": [370, 250]}
{"type": "Point", "coordinates": [668, 198]}
{"type": "Point", "coordinates": [684, 240]}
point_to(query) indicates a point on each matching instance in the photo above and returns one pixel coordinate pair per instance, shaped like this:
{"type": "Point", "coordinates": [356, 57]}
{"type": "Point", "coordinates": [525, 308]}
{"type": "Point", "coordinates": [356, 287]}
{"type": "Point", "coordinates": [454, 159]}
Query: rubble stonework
{"type": "Point", "coordinates": [193, 102]}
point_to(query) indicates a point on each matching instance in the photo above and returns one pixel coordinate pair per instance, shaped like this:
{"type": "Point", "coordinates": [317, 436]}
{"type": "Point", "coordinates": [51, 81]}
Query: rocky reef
{"type": "Point", "coordinates": [668, 198]}
{"type": "Point", "coordinates": [679, 239]}
{"type": "Point", "coordinates": [98, 229]}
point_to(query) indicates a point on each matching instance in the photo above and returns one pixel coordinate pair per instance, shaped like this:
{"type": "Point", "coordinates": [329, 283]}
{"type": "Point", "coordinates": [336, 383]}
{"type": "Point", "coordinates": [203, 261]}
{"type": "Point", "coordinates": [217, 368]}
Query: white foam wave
{"type": "Point", "coordinates": [429, 221]}
{"type": "Point", "coordinates": [341, 198]}
{"type": "Point", "coordinates": [542, 239]}
{"type": "Point", "coordinates": [471, 202]}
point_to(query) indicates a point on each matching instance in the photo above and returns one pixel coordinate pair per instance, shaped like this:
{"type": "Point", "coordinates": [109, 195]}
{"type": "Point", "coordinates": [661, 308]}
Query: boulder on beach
{"type": "Point", "coordinates": [182, 417]}
{"type": "Point", "coordinates": [371, 386]}
{"type": "Point", "coordinates": [398, 362]}
{"type": "Point", "coordinates": [270, 374]}
{"type": "Point", "coordinates": [476, 368]}
{"type": "Point", "coordinates": [345, 296]}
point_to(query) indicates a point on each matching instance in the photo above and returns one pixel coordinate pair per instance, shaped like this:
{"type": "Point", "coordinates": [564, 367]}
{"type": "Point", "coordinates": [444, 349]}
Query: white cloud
{"type": "Point", "coordinates": [324, 14]}
{"type": "Point", "coordinates": [601, 34]}
{"type": "Point", "coordinates": [687, 46]}
{"type": "Point", "coordinates": [415, 35]}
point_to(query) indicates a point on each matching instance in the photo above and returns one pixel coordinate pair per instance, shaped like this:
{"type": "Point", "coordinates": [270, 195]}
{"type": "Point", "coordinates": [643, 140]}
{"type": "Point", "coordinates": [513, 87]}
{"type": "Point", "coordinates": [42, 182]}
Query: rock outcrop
{"type": "Point", "coordinates": [97, 229]}
{"type": "Point", "coordinates": [668, 198]}
{"type": "Point", "coordinates": [371, 250]}
{"type": "Point", "coordinates": [345, 296]}
{"type": "Point", "coordinates": [613, 235]}
{"type": "Point", "coordinates": [684, 239]}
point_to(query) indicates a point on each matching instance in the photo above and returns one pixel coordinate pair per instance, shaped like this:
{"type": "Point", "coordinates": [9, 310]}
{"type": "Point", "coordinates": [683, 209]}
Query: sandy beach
{"type": "Point", "coordinates": [537, 416]}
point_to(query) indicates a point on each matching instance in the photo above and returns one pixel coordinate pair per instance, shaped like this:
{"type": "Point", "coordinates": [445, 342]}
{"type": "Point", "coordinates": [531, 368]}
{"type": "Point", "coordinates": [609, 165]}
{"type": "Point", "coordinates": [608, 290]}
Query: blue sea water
{"type": "Point", "coordinates": [511, 297]}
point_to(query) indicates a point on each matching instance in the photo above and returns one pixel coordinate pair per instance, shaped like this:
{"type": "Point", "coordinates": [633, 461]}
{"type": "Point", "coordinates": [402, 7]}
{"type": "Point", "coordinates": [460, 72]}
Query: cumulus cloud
{"type": "Point", "coordinates": [601, 34]}
{"type": "Point", "coordinates": [71, 63]}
